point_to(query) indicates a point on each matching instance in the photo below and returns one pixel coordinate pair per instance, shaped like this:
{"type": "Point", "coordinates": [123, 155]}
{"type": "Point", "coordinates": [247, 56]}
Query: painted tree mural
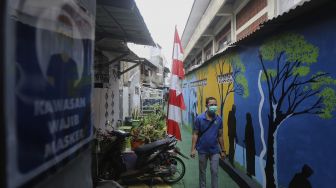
{"type": "Point", "coordinates": [202, 78]}
{"type": "Point", "coordinates": [233, 78]}
{"type": "Point", "coordinates": [292, 89]}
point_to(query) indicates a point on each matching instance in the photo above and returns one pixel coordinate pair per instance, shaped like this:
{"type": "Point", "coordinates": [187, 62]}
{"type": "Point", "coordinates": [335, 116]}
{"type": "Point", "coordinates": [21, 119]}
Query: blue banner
{"type": "Point", "coordinates": [53, 86]}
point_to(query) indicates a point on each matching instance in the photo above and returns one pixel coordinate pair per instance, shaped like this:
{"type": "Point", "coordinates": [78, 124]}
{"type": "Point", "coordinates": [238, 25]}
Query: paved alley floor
{"type": "Point", "coordinates": [190, 179]}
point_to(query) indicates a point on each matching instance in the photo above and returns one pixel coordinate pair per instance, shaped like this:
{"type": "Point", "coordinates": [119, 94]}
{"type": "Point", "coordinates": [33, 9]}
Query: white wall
{"type": "Point", "coordinates": [135, 97]}
{"type": "Point", "coordinates": [125, 102]}
{"type": "Point", "coordinates": [99, 101]}
{"type": "Point", "coordinates": [130, 98]}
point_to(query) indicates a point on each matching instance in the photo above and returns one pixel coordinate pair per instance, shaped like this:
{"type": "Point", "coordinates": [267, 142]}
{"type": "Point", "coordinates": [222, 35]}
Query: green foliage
{"type": "Point", "coordinates": [301, 71]}
{"type": "Point", "coordinates": [293, 45]}
{"type": "Point", "coordinates": [329, 101]}
{"type": "Point", "coordinates": [235, 63]}
{"type": "Point", "coordinates": [271, 72]}
{"type": "Point", "coordinates": [323, 81]}
{"type": "Point", "coordinates": [243, 82]}
{"type": "Point", "coordinates": [151, 128]}
{"type": "Point", "coordinates": [327, 93]}
{"type": "Point", "coordinates": [296, 49]}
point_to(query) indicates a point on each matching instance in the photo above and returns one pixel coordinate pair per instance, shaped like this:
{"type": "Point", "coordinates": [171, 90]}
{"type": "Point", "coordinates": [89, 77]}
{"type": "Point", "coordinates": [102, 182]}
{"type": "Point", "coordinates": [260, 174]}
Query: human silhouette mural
{"type": "Point", "coordinates": [300, 180]}
{"type": "Point", "coordinates": [194, 106]}
{"type": "Point", "coordinates": [250, 146]}
{"type": "Point", "coordinates": [232, 133]}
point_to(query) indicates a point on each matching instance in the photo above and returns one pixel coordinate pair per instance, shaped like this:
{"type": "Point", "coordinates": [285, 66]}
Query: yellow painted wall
{"type": "Point", "coordinates": [211, 89]}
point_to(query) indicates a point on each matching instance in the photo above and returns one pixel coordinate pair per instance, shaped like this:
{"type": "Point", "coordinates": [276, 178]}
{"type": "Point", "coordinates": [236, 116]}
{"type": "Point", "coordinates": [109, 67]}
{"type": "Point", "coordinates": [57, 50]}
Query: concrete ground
{"type": "Point", "coordinates": [190, 179]}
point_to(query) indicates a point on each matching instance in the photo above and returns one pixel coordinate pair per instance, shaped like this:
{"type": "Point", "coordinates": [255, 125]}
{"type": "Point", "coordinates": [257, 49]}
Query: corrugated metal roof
{"type": "Point", "coordinates": [121, 19]}
{"type": "Point", "coordinates": [290, 13]}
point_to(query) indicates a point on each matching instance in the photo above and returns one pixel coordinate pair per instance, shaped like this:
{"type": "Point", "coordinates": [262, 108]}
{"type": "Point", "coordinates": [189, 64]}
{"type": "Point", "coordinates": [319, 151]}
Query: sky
{"type": "Point", "coordinates": [161, 16]}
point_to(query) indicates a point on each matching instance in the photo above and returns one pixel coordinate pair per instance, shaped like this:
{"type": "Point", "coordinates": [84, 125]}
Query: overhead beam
{"type": "Point", "coordinates": [104, 34]}
{"type": "Point", "coordinates": [132, 60]}
{"type": "Point", "coordinates": [223, 14]}
{"type": "Point", "coordinates": [113, 60]}
{"type": "Point", "coordinates": [226, 9]}
{"type": "Point", "coordinates": [130, 68]}
{"type": "Point", "coordinates": [208, 33]}
{"type": "Point", "coordinates": [117, 50]}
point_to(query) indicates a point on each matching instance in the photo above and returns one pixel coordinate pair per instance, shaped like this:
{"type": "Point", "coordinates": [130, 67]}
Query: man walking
{"type": "Point", "coordinates": [208, 140]}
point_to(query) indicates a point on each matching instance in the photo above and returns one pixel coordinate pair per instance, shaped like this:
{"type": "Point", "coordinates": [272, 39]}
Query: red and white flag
{"type": "Point", "coordinates": [176, 101]}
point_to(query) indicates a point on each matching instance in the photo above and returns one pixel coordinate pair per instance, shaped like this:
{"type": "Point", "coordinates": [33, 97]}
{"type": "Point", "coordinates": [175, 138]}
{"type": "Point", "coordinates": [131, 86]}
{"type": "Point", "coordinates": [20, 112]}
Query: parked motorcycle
{"type": "Point", "coordinates": [156, 159]}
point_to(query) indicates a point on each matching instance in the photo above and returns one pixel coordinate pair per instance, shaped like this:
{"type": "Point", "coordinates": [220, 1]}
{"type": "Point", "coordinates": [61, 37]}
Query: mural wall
{"type": "Point", "coordinates": [277, 98]}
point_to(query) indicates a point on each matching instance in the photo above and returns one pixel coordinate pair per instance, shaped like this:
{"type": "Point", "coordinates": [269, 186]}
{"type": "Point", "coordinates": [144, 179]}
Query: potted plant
{"type": "Point", "coordinates": [151, 128]}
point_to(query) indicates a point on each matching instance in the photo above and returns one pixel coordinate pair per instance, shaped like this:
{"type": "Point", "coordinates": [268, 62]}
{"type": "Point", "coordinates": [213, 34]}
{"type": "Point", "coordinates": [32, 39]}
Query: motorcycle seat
{"type": "Point", "coordinates": [150, 146]}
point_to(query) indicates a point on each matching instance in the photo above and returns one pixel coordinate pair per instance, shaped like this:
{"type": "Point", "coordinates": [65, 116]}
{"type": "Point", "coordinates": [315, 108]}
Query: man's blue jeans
{"type": "Point", "coordinates": [203, 160]}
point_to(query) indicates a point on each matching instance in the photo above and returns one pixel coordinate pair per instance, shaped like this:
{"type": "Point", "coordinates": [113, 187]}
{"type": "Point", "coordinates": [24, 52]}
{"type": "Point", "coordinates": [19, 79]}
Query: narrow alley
{"type": "Point", "coordinates": [191, 178]}
{"type": "Point", "coordinates": [167, 93]}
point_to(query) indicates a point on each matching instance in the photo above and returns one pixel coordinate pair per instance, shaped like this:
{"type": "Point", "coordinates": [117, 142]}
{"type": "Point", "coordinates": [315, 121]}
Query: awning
{"type": "Point", "coordinates": [121, 19]}
{"type": "Point", "coordinates": [116, 51]}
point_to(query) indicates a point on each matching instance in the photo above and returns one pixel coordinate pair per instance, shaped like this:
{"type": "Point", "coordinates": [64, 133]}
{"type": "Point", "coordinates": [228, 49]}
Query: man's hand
{"type": "Point", "coordinates": [223, 155]}
{"type": "Point", "coordinates": [193, 153]}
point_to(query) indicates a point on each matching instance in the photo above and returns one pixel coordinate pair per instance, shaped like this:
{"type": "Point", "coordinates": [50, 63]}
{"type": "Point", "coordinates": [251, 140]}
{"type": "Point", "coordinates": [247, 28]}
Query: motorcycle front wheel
{"type": "Point", "coordinates": [177, 170]}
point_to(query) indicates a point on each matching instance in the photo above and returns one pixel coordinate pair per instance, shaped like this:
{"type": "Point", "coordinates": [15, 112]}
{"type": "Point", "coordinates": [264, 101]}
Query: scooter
{"type": "Point", "coordinates": [156, 159]}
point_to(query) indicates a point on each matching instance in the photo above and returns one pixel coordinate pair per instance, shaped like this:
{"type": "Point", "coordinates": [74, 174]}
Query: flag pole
{"type": "Point", "coordinates": [167, 103]}
{"type": "Point", "coordinates": [168, 98]}
{"type": "Point", "coordinates": [172, 61]}
{"type": "Point", "coordinates": [175, 96]}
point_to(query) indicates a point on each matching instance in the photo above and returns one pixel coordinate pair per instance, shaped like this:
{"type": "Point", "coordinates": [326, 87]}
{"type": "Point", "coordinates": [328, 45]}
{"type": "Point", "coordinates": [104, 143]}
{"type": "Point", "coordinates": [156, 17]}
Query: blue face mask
{"type": "Point", "coordinates": [213, 109]}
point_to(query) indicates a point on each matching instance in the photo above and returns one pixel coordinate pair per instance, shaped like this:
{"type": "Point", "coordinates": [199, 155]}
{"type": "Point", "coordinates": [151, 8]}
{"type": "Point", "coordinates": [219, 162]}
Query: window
{"type": "Point", "coordinates": [223, 38]}
{"type": "Point", "coordinates": [199, 59]}
{"type": "Point", "coordinates": [223, 42]}
{"type": "Point", "coordinates": [208, 51]}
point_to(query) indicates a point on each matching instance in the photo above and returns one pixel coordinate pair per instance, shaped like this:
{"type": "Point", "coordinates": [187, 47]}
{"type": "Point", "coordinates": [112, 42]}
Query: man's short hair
{"type": "Point", "coordinates": [208, 99]}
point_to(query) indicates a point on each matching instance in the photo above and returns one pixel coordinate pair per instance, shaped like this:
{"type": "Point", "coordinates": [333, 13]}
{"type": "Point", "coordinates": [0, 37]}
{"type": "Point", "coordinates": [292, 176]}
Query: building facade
{"type": "Point", "coordinates": [275, 89]}
{"type": "Point", "coordinates": [213, 25]}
